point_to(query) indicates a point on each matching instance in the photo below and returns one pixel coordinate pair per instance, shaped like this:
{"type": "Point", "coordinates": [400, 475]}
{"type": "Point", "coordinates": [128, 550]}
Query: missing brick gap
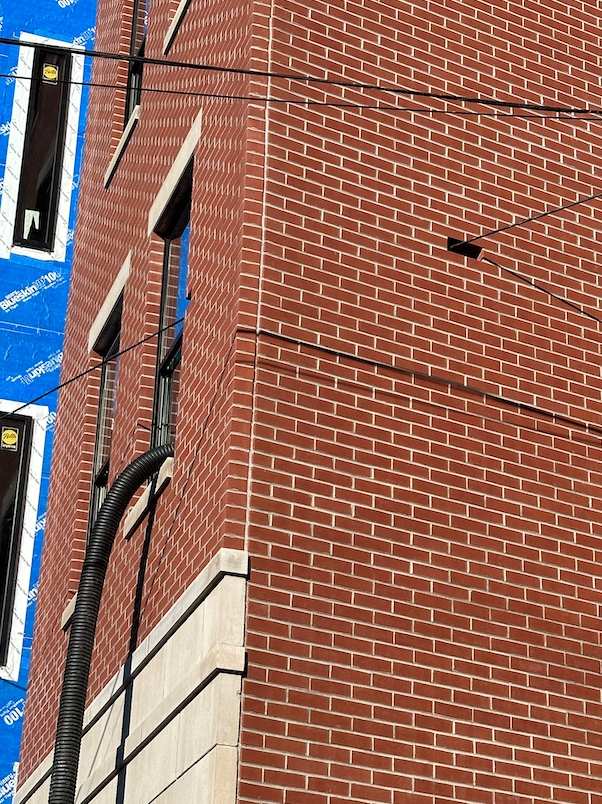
{"type": "Point", "coordinates": [463, 248]}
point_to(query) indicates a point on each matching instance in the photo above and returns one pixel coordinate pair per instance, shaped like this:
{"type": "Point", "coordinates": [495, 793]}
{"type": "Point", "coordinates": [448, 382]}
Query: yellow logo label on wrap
{"type": "Point", "coordinates": [10, 438]}
{"type": "Point", "coordinates": [50, 73]}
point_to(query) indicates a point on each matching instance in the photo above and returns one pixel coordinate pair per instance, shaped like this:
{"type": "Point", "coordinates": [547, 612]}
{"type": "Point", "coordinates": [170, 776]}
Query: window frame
{"type": "Point", "coordinates": [172, 225]}
{"type": "Point", "coordinates": [164, 396]}
{"type": "Point", "coordinates": [8, 583]}
{"type": "Point", "coordinates": [38, 416]}
{"type": "Point", "coordinates": [174, 25]}
{"type": "Point", "coordinates": [133, 94]}
{"type": "Point", "coordinates": [16, 144]}
{"type": "Point", "coordinates": [48, 243]}
{"type": "Point", "coordinates": [106, 347]}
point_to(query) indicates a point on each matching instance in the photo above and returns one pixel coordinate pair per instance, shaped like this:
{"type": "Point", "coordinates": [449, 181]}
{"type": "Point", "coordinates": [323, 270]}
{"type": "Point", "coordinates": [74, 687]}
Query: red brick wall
{"type": "Point", "coordinates": [424, 605]}
{"type": "Point", "coordinates": [423, 502]}
{"type": "Point", "coordinates": [426, 584]}
{"type": "Point", "coordinates": [214, 402]}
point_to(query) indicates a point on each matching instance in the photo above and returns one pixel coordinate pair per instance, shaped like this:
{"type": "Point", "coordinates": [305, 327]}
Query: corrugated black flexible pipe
{"type": "Point", "coordinates": [83, 625]}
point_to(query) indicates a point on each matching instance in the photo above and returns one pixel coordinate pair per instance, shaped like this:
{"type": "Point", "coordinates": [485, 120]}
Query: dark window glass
{"type": "Point", "coordinates": [15, 437]}
{"type": "Point", "coordinates": [136, 68]}
{"type": "Point", "coordinates": [174, 300]}
{"type": "Point", "coordinates": [42, 156]}
{"type": "Point", "coordinates": [173, 305]}
{"type": "Point", "coordinates": [168, 387]}
{"type": "Point", "coordinates": [134, 89]}
{"type": "Point", "coordinates": [174, 227]}
{"type": "Point", "coordinates": [108, 348]}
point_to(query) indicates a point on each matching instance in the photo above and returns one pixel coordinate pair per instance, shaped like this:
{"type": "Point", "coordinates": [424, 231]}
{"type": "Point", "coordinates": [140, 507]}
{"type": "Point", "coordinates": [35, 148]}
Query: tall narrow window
{"type": "Point", "coordinates": [41, 170]}
{"type": "Point", "coordinates": [15, 438]}
{"type": "Point", "coordinates": [134, 90]}
{"type": "Point", "coordinates": [137, 44]}
{"type": "Point", "coordinates": [174, 227]}
{"type": "Point", "coordinates": [107, 347]}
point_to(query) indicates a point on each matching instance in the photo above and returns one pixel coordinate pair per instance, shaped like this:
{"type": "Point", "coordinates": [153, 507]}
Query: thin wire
{"type": "Point", "coordinates": [568, 113]}
{"type": "Point", "coordinates": [308, 79]}
{"type": "Point", "coordinates": [557, 417]}
{"type": "Point", "coordinates": [358, 359]}
{"type": "Point", "coordinates": [420, 402]}
{"type": "Point", "coordinates": [415, 402]}
{"type": "Point", "coordinates": [534, 284]}
{"type": "Point", "coordinates": [91, 369]}
{"type": "Point", "coordinates": [537, 217]}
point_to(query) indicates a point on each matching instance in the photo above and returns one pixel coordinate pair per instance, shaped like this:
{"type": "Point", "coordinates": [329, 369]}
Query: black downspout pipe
{"type": "Point", "coordinates": [83, 625]}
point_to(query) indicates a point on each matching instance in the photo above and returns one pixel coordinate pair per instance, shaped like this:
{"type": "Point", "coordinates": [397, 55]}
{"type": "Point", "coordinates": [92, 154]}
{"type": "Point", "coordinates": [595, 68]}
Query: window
{"type": "Point", "coordinates": [107, 347]}
{"type": "Point", "coordinates": [134, 90]}
{"type": "Point", "coordinates": [137, 44]}
{"type": "Point", "coordinates": [36, 207]}
{"type": "Point", "coordinates": [174, 227]}
{"type": "Point", "coordinates": [22, 439]}
{"type": "Point", "coordinates": [15, 441]}
{"type": "Point", "coordinates": [44, 143]}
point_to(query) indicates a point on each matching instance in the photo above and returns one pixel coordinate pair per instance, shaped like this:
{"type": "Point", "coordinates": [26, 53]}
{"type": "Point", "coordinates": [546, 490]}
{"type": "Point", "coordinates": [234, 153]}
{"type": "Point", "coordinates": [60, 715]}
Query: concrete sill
{"type": "Point", "coordinates": [175, 25]}
{"type": "Point", "coordinates": [68, 613]}
{"type": "Point", "coordinates": [121, 145]}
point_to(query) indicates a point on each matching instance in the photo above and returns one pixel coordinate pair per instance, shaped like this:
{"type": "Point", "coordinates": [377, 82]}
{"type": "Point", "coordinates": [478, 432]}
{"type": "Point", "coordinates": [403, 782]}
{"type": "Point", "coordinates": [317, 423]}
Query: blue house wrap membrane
{"type": "Point", "coordinates": [33, 302]}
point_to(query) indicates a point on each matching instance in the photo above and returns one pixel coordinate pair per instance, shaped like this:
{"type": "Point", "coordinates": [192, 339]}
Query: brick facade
{"type": "Point", "coordinates": [406, 442]}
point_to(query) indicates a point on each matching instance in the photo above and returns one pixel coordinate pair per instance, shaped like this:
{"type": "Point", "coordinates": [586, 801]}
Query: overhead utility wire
{"type": "Point", "coordinates": [417, 402]}
{"type": "Point", "coordinates": [191, 466]}
{"type": "Point", "coordinates": [91, 369]}
{"type": "Point", "coordinates": [257, 333]}
{"type": "Point", "coordinates": [596, 116]}
{"type": "Point", "coordinates": [308, 79]}
{"type": "Point", "coordinates": [434, 378]}
{"type": "Point", "coordinates": [408, 372]}
{"type": "Point", "coordinates": [527, 280]}
{"type": "Point", "coordinates": [537, 217]}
